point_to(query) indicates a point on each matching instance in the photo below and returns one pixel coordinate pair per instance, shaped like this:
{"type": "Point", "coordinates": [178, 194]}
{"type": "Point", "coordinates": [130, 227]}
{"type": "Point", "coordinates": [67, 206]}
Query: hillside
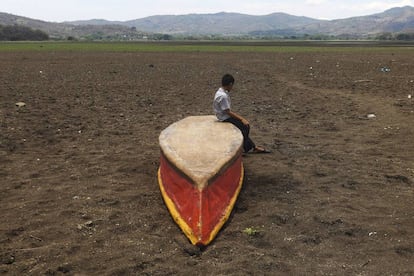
{"type": "Point", "coordinates": [53, 29]}
{"type": "Point", "coordinates": [395, 20]}
{"type": "Point", "coordinates": [66, 30]}
{"type": "Point", "coordinates": [219, 23]}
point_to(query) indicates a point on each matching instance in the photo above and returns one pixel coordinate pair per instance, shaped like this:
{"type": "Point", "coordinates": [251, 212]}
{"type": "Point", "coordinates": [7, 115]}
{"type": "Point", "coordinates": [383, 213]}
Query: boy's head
{"type": "Point", "coordinates": [227, 82]}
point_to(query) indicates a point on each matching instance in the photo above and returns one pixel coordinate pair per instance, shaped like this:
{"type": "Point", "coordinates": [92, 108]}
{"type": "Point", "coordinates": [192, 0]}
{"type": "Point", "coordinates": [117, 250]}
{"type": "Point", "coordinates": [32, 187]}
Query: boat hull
{"type": "Point", "coordinates": [200, 212]}
{"type": "Point", "coordinates": [200, 174]}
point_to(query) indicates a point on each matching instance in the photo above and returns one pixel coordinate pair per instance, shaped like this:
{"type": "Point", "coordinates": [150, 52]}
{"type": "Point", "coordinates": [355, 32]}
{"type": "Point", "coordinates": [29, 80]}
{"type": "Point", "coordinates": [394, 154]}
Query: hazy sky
{"type": "Point", "coordinates": [66, 10]}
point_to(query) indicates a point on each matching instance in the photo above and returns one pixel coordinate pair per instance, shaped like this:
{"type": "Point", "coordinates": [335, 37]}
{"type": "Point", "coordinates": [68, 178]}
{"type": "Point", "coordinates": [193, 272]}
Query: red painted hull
{"type": "Point", "coordinates": [200, 213]}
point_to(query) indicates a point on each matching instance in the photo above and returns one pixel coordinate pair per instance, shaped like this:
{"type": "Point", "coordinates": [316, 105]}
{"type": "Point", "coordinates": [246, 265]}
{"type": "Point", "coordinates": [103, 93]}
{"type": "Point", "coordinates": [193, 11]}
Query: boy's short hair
{"type": "Point", "coordinates": [227, 80]}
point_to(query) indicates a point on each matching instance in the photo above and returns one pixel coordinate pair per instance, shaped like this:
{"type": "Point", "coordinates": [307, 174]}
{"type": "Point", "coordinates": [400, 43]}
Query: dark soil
{"type": "Point", "coordinates": [78, 163]}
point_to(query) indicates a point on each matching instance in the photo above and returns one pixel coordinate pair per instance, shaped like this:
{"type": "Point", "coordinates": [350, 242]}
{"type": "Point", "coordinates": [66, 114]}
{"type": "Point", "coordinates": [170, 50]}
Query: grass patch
{"type": "Point", "coordinates": [304, 46]}
{"type": "Point", "coordinates": [250, 231]}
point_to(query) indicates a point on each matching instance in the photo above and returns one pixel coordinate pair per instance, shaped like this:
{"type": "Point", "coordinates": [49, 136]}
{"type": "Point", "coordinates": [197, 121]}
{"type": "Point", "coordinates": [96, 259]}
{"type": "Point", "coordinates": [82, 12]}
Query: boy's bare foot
{"type": "Point", "coordinates": [260, 150]}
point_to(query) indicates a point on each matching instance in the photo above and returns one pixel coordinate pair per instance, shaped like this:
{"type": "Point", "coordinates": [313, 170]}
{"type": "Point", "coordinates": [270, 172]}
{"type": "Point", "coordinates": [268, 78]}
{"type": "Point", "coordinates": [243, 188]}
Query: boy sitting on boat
{"type": "Point", "coordinates": [222, 109]}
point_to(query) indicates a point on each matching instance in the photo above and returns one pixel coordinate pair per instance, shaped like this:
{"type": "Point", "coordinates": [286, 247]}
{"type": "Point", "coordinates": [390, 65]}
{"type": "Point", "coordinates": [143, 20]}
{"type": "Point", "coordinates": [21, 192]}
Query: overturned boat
{"type": "Point", "coordinates": [200, 174]}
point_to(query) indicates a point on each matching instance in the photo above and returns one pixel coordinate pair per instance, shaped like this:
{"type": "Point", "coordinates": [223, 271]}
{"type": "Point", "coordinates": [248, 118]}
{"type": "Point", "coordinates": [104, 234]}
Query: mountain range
{"type": "Point", "coordinates": [395, 20]}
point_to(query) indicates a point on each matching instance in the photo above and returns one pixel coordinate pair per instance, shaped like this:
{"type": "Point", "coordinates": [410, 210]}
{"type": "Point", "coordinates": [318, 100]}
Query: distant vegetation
{"type": "Point", "coordinates": [283, 37]}
{"type": "Point", "coordinates": [133, 35]}
{"type": "Point", "coordinates": [21, 33]}
{"type": "Point", "coordinates": [396, 36]}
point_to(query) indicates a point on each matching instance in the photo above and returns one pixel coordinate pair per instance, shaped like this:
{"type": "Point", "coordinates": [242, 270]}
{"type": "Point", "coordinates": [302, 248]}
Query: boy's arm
{"type": "Point", "coordinates": [237, 116]}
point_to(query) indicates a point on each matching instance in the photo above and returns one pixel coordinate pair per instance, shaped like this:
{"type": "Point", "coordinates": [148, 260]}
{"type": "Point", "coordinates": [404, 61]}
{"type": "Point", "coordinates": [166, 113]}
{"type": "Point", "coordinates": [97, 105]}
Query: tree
{"type": "Point", "coordinates": [405, 36]}
{"type": "Point", "coordinates": [20, 33]}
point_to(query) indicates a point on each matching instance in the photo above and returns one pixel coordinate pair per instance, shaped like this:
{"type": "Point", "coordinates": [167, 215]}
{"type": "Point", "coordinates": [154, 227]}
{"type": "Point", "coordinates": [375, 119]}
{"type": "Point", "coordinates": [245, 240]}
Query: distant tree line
{"type": "Point", "coordinates": [396, 36]}
{"type": "Point", "coordinates": [101, 36]}
{"type": "Point", "coordinates": [21, 33]}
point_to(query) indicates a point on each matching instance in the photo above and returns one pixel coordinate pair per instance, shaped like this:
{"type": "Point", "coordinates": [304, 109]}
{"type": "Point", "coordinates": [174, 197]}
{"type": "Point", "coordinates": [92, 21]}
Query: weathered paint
{"type": "Point", "coordinates": [200, 212]}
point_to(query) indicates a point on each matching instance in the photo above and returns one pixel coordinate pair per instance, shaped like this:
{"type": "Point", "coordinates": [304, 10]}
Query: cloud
{"type": "Point", "coordinates": [315, 2]}
{"type": "Point", "coordinates": [381, 5]}
{"type": "Point", "coordinates": [357, 9]}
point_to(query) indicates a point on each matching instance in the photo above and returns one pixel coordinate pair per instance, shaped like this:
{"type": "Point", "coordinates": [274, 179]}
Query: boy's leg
{"type": "Point", "coordinates": [248, 144]}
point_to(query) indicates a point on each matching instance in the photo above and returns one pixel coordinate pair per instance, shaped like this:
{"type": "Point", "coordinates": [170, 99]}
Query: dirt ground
{"type": "Point", "coordinates": [78, 163]}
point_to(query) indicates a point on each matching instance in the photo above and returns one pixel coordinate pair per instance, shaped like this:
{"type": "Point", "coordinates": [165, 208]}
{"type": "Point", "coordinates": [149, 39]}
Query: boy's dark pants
{"type": "Point", "coordinates": [248, 144]}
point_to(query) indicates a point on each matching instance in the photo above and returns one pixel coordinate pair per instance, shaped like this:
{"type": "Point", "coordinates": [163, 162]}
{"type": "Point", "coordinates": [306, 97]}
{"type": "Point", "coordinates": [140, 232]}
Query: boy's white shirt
{"type": "Point", "coordinates": [221, 103]}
